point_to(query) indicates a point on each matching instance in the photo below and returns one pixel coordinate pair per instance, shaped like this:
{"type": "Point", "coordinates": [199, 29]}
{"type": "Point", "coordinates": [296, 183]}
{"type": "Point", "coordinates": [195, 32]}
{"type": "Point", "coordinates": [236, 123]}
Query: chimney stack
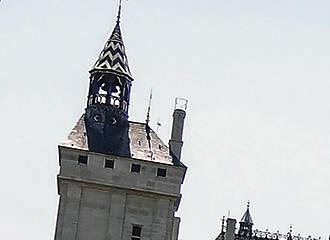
{"type": "Point", "coordinates": [179, 115]}
{"type": "Point", "coordinates": [230, 229]}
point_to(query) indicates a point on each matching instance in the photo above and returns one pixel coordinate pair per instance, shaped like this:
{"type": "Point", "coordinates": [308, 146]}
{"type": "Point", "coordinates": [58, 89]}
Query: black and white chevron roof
{"type": "Point", "coordinates": [113, 57]}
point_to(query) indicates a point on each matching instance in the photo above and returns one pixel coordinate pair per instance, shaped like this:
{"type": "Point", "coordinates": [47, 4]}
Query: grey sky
{"type": "Point", "coordinates": [256, 73]}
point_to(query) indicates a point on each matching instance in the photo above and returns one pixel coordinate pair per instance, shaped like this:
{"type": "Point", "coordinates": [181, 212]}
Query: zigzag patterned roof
{"type": "Point", "coordinates": [113, 57]}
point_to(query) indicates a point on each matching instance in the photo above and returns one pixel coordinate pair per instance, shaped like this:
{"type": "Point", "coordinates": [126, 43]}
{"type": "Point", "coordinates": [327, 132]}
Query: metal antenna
{"type": "Point", "coordinates": [148, 127]}
{"type": "Point", "coordinates": [149, 107]}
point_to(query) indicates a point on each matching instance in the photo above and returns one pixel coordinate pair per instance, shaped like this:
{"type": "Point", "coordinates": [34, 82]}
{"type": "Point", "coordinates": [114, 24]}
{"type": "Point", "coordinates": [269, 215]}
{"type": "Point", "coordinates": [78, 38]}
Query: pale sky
{"type": "Point", "coordinates": [255, 72]}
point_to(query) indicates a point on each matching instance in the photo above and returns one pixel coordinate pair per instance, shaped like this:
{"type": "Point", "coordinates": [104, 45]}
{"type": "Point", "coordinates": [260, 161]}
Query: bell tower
{"type": "Point", "coordinates": [117, 178]}
{"type": "Point", "coordinates": [246, 224]}
{"type": "Point", "coordinates": [109, 96]}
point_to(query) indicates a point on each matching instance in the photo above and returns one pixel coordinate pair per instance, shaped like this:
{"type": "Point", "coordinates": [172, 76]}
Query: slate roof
{"type": "Point", "coordinates": [247, 217]}
{"type": "Point", "coordinates": [113, 57]}
{"type": "Point", "coordinates": [139, 147]}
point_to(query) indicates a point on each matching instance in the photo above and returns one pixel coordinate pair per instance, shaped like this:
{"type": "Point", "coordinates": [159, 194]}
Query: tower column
{"type": "Point", "coordinates": [117, 215]}
{"type": "Point", "coordinates": [70, 219]}
{"type": "Point", "coordinates": [61, 212]}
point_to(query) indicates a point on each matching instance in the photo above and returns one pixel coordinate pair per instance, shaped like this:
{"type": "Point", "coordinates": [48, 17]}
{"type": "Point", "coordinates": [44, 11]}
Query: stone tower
{"type": "Point", "coordinates": [118, 180]}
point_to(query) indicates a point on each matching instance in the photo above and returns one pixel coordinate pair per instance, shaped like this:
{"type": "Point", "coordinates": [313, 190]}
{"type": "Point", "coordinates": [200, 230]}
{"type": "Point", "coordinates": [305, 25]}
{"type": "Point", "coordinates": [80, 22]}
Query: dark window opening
{"type": "Point", "coordinates": [161, 172]}
{"type": "Point", "coordinates": [82, 159]}
{"type": "Point", "coordinates": [136, 168]}
{"type": "Point", "coordinates": [136, 232]}
{"type": "Point", "coordinates": [109, 163]}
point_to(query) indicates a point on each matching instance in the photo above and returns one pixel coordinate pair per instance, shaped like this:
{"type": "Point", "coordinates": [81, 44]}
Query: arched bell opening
{"type": "Point", "coordinates": [109, 90]}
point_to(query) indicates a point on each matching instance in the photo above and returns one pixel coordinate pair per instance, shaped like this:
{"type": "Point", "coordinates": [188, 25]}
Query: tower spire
{"type": "Point", "coordinates": [113, 57]}
{"type": "Point", "coordinates": [247, 216]}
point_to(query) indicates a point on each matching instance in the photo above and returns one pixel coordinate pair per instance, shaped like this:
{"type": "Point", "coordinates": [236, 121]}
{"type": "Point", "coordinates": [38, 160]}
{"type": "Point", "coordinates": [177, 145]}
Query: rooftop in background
{"type": "Point", "coordinates": [245, 232]}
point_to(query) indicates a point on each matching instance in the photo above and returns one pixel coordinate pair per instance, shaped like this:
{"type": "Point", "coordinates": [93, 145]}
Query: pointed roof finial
{"type": "Point", "coordinates": [248, 204]}
{"type": "Point", "coordinates": [119, 12]}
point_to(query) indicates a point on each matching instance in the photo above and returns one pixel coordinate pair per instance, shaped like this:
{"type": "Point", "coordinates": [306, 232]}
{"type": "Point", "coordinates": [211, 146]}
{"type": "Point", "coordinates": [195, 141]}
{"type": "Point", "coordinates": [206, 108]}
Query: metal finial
{"type": "Point", "coordinates": [248, 204]}
{"type": "Point", "coordinates": [119, 12]}
{"type": "Point", "coordinates": [290, 229]}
